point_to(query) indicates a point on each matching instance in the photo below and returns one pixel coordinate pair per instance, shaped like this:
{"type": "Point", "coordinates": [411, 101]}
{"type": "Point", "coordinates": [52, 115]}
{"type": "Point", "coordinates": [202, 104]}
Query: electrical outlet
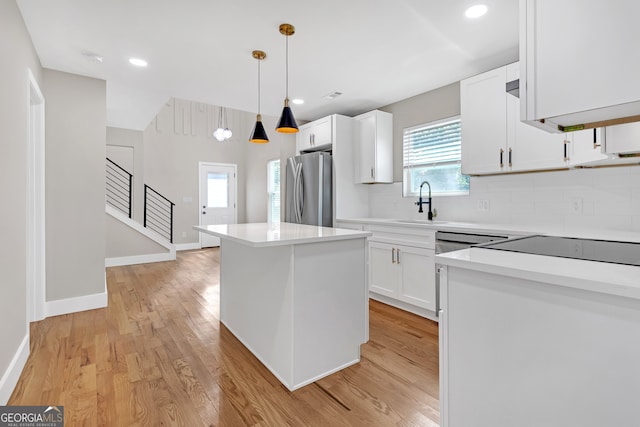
{"type": "Point", "coordinates": [483, 205]}
{"type": "Point", "coordinates": [575, 205]}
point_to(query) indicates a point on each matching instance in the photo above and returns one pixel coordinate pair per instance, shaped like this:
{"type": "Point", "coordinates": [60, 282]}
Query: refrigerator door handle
{"type": "Point", "coordinates": [299, 200]}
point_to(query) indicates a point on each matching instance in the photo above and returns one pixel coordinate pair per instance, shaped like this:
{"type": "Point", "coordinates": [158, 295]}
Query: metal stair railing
{"type": "Point", "coordinates": [119, 187]}
{"type": "Point", "coordinates": [158, 213]}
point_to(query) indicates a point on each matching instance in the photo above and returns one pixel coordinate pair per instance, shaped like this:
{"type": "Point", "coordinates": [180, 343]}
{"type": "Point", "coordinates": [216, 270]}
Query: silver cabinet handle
{"type": "Point", "coordinates": [510, 164]}
{"type": "Point", "coordinates": [397, 256]}
{"type": "Point", "coordinates": [501, 161]}
{"type": "Point", "coordinates": [372, 174]}
{"type": "Point", "coordinates": [393, 255]}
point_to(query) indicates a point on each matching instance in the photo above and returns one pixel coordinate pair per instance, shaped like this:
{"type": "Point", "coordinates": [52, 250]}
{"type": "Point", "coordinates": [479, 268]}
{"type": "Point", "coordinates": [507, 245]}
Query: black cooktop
{"type": "Point", "coordinates": [627, 253]}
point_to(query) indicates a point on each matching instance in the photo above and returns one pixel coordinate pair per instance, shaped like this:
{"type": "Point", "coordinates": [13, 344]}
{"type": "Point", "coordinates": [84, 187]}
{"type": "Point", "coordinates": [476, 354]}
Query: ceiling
{"type": "Point", "coordinates": [375, 52]}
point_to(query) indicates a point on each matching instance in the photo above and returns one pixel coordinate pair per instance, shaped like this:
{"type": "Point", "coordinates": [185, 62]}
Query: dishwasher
{"type": "Point", "coordinates": [449, 241]}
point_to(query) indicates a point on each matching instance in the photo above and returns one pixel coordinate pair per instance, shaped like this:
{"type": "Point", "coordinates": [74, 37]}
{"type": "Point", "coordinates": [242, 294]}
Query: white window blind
{"type": "Point", "coordinates": [273, 190]}
{"type": "Point", "coordinates": [432, 152]}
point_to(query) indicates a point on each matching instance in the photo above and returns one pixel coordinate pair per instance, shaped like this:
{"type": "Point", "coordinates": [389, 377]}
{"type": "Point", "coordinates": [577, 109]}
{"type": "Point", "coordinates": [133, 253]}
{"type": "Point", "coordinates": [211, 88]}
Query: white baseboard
{"type": "Point", "coordinates": [12, 374]}
{"type": "Point", "coordinates": [73, 305]}
{"type": "Point", "coordinates": [187, 246]}
{"type": "Point", "coordinates": [423, 312]}
{"type": "Point", "coordinates": [139, 259]}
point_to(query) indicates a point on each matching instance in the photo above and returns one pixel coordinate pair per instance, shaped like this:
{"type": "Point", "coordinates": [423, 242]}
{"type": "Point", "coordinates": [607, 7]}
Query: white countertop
{"type": "Point", "coordinates": [510, 229]}
{"type": "Point", "coordinates": [279, 234]}
{"type": "Point", "coordinates": [602, 277]}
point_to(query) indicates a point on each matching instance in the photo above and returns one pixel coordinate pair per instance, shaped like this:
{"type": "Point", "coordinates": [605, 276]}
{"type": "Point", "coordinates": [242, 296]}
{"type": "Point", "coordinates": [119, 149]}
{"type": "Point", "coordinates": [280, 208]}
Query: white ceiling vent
{"type": "Point", "coordinates": [332, 95]}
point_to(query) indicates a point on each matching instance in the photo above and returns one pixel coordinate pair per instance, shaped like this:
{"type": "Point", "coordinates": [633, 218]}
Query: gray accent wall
{"type": "Point", "coordinates": [75, 180]}
{"type": "Point", "coordinates": [17, 55]}
{"type": "Point", "coordinates": [424, 108]}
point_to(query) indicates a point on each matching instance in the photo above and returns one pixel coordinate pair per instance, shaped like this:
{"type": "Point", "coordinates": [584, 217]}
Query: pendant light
{"type": "Point", "coordinates": [287, 123]}
{"type": "Point", "coordinates": [222, 134]}
{"type": "Point", "coordinates": [259, 136]}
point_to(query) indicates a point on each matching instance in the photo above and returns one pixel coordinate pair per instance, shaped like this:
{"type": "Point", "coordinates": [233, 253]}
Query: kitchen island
{"type": "Point", "coordinates": [295, 295]}
{"type": "Point", "coordinates": [531, 340]}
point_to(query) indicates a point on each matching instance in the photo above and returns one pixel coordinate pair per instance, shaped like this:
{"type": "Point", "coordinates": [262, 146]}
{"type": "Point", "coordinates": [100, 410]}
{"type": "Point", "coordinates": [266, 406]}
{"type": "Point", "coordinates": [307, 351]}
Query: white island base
{"type": "Point", "coordinates": [297, 302]}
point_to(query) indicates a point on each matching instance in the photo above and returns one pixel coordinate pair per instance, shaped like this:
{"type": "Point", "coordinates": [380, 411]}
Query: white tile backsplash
{"type": "Point", "coordinates": [607, 198]}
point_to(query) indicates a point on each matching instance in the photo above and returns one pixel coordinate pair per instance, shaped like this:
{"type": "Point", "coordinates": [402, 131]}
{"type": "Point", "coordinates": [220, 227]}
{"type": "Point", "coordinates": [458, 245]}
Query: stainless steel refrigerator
{"type": "Point", "coordinates": [309, 198]}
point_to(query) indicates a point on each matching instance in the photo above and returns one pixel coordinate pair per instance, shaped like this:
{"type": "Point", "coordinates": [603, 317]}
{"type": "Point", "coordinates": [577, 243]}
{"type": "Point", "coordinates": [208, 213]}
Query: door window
{"type": "Point", "coordinates": [217, 190]}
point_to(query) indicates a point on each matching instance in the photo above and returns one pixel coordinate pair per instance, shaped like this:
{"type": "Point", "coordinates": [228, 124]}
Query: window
{"type": "Point", "coordinates": [273, 190]}
{"type": "Point", "coordinates": [217, 190]}
{"type": "Point", "coordinates": [431, 152]}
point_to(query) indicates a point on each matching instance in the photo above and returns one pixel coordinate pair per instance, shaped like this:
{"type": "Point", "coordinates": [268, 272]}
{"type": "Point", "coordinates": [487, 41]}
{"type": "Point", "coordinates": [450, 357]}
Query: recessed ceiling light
{"type": "Point", "coordinates": [476, 11]}
{"type": "Point", "coordinates": [298, 101]}
{"type": "Point", "coordinates": [138, 62]}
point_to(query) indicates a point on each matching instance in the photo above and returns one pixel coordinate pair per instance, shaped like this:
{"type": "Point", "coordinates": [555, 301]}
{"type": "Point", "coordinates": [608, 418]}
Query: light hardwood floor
{"type": "Point", "coordinates": [158, 356]}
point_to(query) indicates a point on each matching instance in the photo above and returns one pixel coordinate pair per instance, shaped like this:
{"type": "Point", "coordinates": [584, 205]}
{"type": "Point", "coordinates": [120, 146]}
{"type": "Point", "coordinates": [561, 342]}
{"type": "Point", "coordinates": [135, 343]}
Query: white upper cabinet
{"type": "Point", "coordinates": [623, 139]}
{"type": "Point", "coordinates": [483, 115]}
{"type": "Point", "coordinates": [585, 146]}
{"type": "Point", "coordinates": [374, 138]}
{"type": "Point", "coordinates": [494, 140]}
{"type": "Point", "coordinates": [579, 62]}
{"type": "Point", "coordinates": [316, 135]}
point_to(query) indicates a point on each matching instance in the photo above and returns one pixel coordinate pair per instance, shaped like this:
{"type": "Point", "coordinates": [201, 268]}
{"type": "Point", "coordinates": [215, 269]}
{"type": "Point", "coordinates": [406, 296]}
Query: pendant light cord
{"type": "Point", "coordinates": [287, 70]}
{"type": "Point", "coordinates": [259, 85]}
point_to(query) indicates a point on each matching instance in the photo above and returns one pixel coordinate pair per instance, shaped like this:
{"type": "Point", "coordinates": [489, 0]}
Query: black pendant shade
{"type": "Point", "coordinates": [287, 123]}
{"type": "Point", "coordinates": [259, 136]}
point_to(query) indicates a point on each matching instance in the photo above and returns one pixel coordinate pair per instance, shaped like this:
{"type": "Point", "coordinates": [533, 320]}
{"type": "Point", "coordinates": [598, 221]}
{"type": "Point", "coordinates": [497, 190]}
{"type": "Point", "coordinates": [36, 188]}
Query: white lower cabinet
{"type": "Point", "coordinates": [405, 273]}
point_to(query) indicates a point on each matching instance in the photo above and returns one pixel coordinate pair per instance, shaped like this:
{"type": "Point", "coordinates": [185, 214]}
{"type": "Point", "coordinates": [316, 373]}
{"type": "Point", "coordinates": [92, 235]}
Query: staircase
{"type": "Point", "coordinates": [128, 241]}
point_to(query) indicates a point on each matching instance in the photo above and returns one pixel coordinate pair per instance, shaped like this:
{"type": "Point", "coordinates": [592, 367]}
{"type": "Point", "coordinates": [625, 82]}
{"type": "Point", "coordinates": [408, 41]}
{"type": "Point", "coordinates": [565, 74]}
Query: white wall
{"type": "Point", "coordinates": [75, 180]}
{"type": "Point", "coordinates": [281, 146]}
{"type": "Point", "coordinates": [17, 55]}
{"type": "Point", "coordinates": [123, 241]}
{"type": "Point", "coordinates": [181, 136]}
{"type": "Point", "coordinates": [126, 146]}
{"type": "Point", "coordinates": [606, 198]}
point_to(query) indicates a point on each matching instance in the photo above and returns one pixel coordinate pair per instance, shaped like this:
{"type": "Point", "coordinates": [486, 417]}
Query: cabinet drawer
{"type": "Point", "coordinates": [410, 236]}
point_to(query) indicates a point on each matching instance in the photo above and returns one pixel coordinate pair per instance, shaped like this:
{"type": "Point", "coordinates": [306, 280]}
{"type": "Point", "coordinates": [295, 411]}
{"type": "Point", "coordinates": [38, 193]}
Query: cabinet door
{"type": "Point", "coordinates": [322, 132]}
{"type": "Point", "coordinates": [418, 282]}
{"type": "Point", "coordinates": [383, 271]}
{"type": "Point", "coordinates": [586, 146]}
{"type": "Point", "coordinates": [531, 148]}
{"type": "Point", "coordinates": [564, 74]}
{"type": "Point", "coordinates": [483, 113]}
{"type": "Point", "coordinates": [366, 140]}
{"type": "Point", "coordinates": [303, 138]}
{"type": "Point", "coordinates": [623, 138]}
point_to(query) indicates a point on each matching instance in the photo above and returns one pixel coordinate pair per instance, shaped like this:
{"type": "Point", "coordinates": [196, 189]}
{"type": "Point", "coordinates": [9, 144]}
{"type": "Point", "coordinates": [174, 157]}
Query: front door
{"type": "Point", "coordinates": [217, 198]}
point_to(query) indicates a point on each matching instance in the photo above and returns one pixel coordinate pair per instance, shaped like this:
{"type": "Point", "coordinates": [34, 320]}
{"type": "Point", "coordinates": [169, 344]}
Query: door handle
{"type": "Point", "coordinates": [510, 157]}
{"type": "Point", "coordinates": [393, 255]}
{"type": "Point", "coordinates": [501, 154]}
{"type": "Point", "coordinates": [397, 256]}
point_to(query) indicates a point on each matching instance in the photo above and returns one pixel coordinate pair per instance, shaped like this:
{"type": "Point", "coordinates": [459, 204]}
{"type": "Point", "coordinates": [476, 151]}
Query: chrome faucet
{"type": "Point", "coordinates": [420, 202]}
